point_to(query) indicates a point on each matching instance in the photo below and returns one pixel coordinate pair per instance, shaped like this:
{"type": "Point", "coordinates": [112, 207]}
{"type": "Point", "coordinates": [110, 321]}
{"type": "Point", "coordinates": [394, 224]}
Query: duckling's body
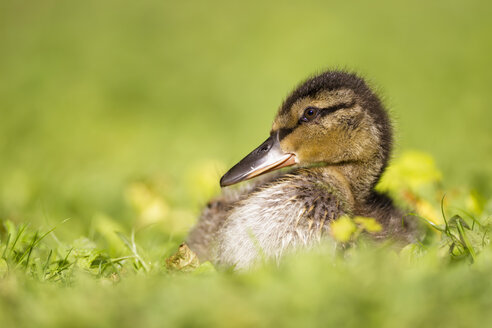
{"type": "Point", "coordinates": [338, 134]}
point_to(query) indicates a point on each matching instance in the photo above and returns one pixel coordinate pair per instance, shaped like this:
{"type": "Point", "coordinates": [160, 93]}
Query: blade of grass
{"type": "Point", "coordinates": [466, 242]}
{"type": "Point", "coordinates": [443, 214]}
{"type": "Point", "coordinates": [33, 244]}
{"type": "Point", "coordinates": [6, 246]}
{"type": "Point", "coordinates": [47, 263]}
{"type": "Point", "coordinates": [470, 216]}
{"type": "Point", "coordinates": [133, 248]}
{"type": "Point", "coordinates": [19, 233]}
{"type": "Point", "coordinates": [429, 222]}
{"type": "Point", "coordinates": [30, 248]}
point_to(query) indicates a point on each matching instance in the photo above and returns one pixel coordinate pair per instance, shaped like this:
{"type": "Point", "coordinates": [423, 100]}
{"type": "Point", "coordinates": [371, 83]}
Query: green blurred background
{"type": "Point", "coordinates": [97, 94]}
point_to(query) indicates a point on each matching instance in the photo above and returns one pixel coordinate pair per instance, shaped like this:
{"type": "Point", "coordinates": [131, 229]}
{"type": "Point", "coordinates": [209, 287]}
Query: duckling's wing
{"type": "Point", "coordinates": [289, 212]}
{"type": "Point", "coordinates": [202, 235]}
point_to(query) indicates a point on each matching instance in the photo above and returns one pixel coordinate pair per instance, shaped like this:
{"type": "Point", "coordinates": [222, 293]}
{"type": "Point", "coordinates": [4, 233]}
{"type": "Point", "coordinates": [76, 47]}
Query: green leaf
{"type": "Point", "coordinates": [456, 219]}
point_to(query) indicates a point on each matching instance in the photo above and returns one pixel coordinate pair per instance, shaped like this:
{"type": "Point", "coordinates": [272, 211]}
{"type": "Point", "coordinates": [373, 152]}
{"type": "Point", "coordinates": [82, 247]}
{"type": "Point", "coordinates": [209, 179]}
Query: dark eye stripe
{"type": "Point", "coordinates": [334, 108]}
{"type": "Point", "coordinates": [284, 132]}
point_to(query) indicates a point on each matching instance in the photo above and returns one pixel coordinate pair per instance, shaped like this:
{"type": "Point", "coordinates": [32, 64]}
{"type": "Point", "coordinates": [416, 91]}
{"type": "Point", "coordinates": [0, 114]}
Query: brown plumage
{"type": "Point", "coordinates": [337, 133]}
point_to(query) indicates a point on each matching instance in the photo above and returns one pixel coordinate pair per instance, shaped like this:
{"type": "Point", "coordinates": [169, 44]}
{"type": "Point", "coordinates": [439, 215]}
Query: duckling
{"type": "Point", "coordinates": [337, 136]}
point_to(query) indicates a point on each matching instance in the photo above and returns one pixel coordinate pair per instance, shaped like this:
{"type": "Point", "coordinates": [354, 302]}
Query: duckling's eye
{"type": "Point", "coordinates": [309, 114]}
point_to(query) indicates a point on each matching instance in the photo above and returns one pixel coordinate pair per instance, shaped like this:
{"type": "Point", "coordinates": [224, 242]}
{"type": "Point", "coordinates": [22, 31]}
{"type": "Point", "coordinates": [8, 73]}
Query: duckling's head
{"type": "Point", "coordinates": [331, 119]}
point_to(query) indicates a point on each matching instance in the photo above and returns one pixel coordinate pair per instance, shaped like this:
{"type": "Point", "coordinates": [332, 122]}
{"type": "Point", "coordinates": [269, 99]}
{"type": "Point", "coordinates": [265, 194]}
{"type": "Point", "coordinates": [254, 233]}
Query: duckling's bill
{"type": "Point", "coordinates": [266, 158]}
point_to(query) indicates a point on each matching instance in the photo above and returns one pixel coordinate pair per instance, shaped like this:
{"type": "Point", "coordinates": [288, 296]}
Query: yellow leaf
{"type": "Point", "coordinates": [368, 224]}
{"type": "Point", "coordinates": [412, 170]}
{"type": "Point", "coordinates": [343, 228]}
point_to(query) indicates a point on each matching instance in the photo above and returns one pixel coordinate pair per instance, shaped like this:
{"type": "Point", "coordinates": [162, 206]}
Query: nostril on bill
{"type": "Point", "coordinates": [265, 147]}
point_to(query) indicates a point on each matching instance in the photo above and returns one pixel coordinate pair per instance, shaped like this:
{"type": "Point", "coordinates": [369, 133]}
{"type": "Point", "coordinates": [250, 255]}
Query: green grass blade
{"type": "Point", "coordinates": [133, 248]}
{"type": "Point", "coordinates": [466, 241]}
{"type": "Point", "coordinates": [6, 246]}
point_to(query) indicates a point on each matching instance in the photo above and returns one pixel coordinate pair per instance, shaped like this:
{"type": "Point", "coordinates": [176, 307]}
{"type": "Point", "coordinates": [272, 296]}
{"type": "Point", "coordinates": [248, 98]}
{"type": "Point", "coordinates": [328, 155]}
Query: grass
{"type": "Point", "coordinates": [118, 118]}
{"type": "Point", "coordinates": [130, 277]}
